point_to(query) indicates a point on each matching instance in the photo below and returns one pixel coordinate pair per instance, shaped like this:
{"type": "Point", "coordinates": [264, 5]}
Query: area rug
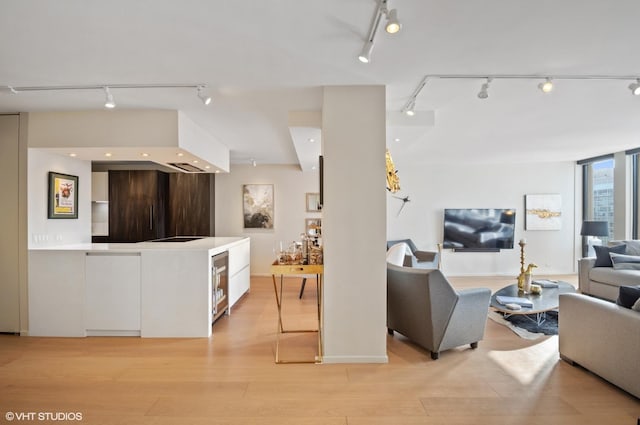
{"type": "Point", "coordinates": [527, 328]}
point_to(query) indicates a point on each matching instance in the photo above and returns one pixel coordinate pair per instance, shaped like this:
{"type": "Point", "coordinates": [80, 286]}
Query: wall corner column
{"type": "Point", "coordinates": [354, 224]}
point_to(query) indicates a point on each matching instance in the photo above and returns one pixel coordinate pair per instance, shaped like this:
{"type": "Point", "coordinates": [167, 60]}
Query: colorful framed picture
{"type": "Point", "coordinates": [313, 226]}
{"type": "Point", "coordinates": [63, 196]}
{"type": "Point", "coordinates": [257, 206]}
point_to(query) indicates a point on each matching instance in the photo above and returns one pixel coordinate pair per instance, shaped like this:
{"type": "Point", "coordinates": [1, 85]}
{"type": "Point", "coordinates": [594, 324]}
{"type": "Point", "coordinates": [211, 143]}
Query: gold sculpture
{"type": "Point", "coordinates": [525, 276]}
{"type": "Point", "coordinates": [393, 181]}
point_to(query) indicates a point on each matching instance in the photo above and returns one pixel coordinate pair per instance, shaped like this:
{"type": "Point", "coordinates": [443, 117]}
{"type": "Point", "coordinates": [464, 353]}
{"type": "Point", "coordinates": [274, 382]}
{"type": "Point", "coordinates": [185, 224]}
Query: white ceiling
{"type": "Point", "coordinates": [262, 59]}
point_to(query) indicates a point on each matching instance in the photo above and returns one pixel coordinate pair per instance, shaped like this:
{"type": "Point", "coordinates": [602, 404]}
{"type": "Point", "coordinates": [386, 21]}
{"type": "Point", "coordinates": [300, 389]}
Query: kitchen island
{"type": "Point", "coordinates": [147, 289]}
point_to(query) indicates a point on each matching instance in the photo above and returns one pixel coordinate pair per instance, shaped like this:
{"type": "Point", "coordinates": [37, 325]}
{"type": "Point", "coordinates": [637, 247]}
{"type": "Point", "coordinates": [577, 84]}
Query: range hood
{"type": "Point", "coordinates": [165, 137]}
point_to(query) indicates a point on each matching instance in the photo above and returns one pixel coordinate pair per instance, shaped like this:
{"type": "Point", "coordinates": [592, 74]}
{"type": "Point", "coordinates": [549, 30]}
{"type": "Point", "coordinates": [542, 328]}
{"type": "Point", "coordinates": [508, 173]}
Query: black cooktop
{"type": "Point", "coordinates": [178, 239]}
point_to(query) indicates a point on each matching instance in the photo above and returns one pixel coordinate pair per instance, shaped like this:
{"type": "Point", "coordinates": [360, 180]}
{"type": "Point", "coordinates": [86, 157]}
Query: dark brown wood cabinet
{"type": "Point", "coordinates": [137, 205]}
{"type": "Point", "coordinates": [189, 212]}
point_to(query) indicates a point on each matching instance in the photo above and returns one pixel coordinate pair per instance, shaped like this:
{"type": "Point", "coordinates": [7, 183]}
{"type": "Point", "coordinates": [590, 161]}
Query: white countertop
{"type": "Point", "coordinates": [195, 245]}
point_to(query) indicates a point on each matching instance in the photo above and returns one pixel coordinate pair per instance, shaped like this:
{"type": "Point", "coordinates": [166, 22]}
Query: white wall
{"type": "Point", "coordinates": [290, 187]}
{"type": "Point", "coordinates": [47, 232]}
{"type": "Point", "coordinates": [434, 187]}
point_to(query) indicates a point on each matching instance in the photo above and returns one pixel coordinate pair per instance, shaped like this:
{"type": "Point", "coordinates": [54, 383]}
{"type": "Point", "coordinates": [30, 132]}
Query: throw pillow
{"type": "Point", "coordinates": [625, 262]}
{"type": "Point", "coordinates": [636, 306]}
{"type": "Point", "coordinates": [628, 296]}
{"type": "Point", "coordinates": [633, 246]}
{"type": "Point", "coordinates": [602, 254]}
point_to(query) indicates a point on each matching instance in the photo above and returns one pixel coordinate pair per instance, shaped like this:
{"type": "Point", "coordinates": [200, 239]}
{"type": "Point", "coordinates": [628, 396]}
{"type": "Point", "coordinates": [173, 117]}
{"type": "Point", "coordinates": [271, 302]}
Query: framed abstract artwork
{"type": "Point", "coordinates": [543, 212]}
{"type": "Point", "coordinates": [63, 196]}
{"type": "Point", "coordinates": [257, 206]}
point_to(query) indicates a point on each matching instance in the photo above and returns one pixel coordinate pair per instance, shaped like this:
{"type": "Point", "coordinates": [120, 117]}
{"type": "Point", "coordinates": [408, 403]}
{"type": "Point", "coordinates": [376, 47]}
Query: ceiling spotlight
{"type": "Point", "coordinates": [635, 87]}
{"type": "Point", "coordinates": [393, 25]}
{"type": "Point", "coordinates": [409, 109]}
{"type": "Point", "coordinates": [546, 86]}
{"type": "Point", "coordinates": [484, 90]}
{"type": "Point", "coordinates": [365, 54]}
{"type": "Point", "coordinates": [108, 103]}
{"type": "Point", "coordinates": [203, 97]}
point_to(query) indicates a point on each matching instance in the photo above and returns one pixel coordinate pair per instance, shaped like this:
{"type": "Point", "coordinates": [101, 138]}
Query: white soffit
{"type": "Point", "coordinates": [306, 134]}
{"type": "Point", "coordinates": [407, 130]}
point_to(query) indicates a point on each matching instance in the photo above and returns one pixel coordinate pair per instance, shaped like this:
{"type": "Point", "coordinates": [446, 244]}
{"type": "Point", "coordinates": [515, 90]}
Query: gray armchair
{"type": "Point", "coordinates": [423, 306]}
{"type": "Point", "coordinates": [417, 258]}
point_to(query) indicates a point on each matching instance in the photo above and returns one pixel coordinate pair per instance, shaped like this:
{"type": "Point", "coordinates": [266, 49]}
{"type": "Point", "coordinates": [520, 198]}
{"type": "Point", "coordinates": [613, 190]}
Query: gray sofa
{"type": "Point", "coordinates": [423, 306]}
{"type": "Point", "coordinates": [605, 282]}
{"type": "Point", "coordinates": [602, 337]}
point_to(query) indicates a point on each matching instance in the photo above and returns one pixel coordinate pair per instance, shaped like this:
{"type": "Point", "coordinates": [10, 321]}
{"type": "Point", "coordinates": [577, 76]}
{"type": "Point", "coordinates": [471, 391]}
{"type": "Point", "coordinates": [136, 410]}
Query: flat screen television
{"type": "Point", "coordinates": [479, 228]}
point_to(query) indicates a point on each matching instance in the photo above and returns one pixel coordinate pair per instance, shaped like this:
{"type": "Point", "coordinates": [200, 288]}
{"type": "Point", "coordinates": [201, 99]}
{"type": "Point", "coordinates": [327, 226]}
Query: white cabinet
{"type": "Point", "coordinates": [112, 303]}
{"type": "Point", "coordinates": [239, 271]}
{"type": "Point", "coordinates": [100, 187]}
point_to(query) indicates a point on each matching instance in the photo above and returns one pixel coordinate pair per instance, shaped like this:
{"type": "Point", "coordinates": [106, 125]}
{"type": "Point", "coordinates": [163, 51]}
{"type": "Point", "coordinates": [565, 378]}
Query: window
{"type": "Point", "coordinates": [598, 191]}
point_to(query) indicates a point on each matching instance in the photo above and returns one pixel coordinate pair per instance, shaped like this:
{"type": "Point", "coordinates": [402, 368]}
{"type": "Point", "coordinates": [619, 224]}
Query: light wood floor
{"type": "Point", "coordinates": [231, 378]}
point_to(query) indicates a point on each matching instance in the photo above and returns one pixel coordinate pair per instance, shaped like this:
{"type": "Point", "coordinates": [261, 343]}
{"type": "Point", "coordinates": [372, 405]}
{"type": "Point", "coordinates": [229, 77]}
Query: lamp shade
{"type": "Point", "coordinates": [595, 228]}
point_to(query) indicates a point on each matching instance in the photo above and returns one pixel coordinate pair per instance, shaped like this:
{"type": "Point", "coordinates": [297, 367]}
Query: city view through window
{"type": "Point", "coordinates": [599, 193]}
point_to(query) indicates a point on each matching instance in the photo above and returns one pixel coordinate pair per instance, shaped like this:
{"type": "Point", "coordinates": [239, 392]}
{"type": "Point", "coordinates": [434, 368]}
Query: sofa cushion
{"type": "Point", "coordinates": [603, 259]}
{"type": "Point", "coordinates": [611, 276]}
{"type": "Point", "coordinates": [628, 296]}
{"type": "Point", "coordinates": [632, 246]}
{"type": "Point", "coordinates": [636, 306]}
{"type": "Point", "coordinates": [625, 262]}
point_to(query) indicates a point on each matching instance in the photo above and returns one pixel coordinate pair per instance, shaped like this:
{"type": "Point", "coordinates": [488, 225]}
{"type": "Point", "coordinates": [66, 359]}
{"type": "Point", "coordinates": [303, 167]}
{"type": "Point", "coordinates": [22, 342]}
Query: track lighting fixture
{"type": "Point", "coordinates": [108, 103]}
{"type": "Point", "coordinates": [410, 108]}
{"type": "Point", "coordinates": [203, 97]}
{"type": "Point", "coordinates": [366, 52]}
{"type": "Point", "coordinates": [484, 90]}
{"type": "Point", "coordinates": [546, 86]}
{"type": "Point", "coordinates": [392, 26]}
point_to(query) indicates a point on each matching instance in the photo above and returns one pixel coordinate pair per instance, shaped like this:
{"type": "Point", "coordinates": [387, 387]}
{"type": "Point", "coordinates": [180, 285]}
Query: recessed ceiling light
{"type": "Point", "coordinates": [73, 155]}
{"type": "Point", "coordinates": [195, 161]}
{"type": "Point", "coordinates": [180, 154]}
{"type": "Point", "coordinates": [217, 171]}
{"type": "Point", "coordinates": [635, 87]}
{"type": "Point", "coordinates": [144, 154]}
{"type": "Point", "coordinates": [108, 154]}
{"type": "Point", "coordinates": [311, 140]}
{"type": "Point", "coordinates": [313, 168]}
{"type": "Point", "coordinates": [207, 166]}
{"type": "Point", "coordinates": [396, 139]}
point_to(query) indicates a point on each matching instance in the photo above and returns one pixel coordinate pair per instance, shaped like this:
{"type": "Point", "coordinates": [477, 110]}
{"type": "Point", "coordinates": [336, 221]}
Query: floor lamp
{"type": "Point", "coordinates": [592, 230]}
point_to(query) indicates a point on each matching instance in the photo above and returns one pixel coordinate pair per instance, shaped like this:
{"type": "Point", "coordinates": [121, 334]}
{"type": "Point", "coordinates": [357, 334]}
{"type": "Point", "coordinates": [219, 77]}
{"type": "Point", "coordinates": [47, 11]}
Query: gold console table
{"type": "Point", "coordinates": [292, 270]}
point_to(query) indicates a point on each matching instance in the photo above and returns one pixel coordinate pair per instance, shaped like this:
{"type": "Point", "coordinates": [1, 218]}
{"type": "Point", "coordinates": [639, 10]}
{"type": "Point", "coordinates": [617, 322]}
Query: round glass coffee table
{"type": "Point", "coordinates": [541, 303]}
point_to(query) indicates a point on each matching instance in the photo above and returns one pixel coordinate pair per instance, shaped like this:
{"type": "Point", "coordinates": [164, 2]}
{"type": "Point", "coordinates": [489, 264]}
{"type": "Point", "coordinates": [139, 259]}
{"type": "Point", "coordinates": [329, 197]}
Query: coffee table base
{"type": "Point", "coordinates": [540, 317]}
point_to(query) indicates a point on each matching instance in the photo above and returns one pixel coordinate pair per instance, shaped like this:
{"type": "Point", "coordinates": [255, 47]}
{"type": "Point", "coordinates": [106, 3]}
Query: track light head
{"type": "Point", "coordinates": [410, 108]}
{"type": "Point", "coordinates": [546, 86]}
{"type": "Point", "coordinates": [484, 90]}
{"type": "Point", "coordinates": [365, 54]}
{"type": "Point", "coordinates": [635, 87]}
{"type": "Point", "coordinates": [393, 26]}
{"type": "Point", "coordinates": [203, 97]}
{"type": "Point", "coordinates": [108, 103]}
